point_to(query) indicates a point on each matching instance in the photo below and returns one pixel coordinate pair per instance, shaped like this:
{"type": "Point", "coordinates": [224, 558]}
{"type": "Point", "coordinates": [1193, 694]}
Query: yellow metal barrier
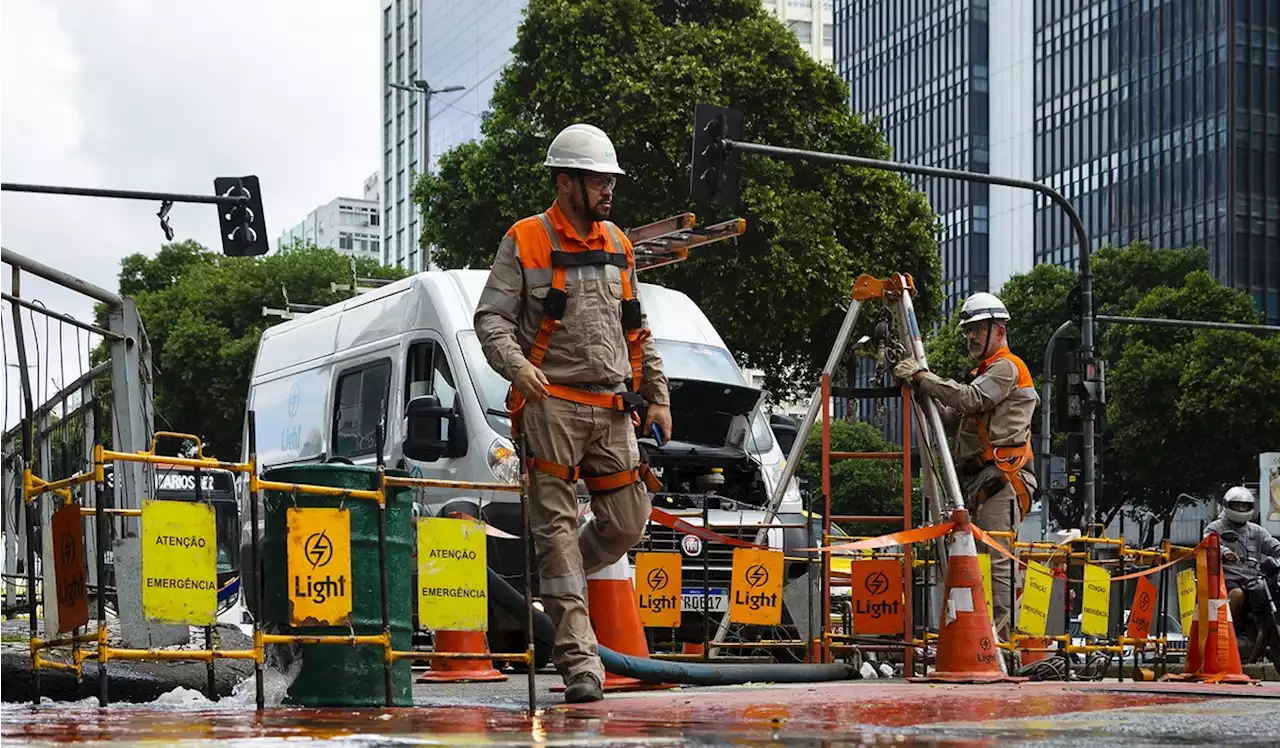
{"type": "Point", "coordinates": [34, 487]}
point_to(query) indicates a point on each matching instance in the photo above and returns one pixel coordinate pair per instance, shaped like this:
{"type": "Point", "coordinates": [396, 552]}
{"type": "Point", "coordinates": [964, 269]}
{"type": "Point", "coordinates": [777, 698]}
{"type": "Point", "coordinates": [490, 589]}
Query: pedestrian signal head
{"type": "Point", "coordinates": [713, 178]}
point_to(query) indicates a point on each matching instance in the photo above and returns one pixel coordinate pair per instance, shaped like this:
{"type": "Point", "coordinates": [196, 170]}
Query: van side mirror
{"type": "Point", "coordinates": [784, 430]}
{"type": "Point", "coordinates": [425, 440]}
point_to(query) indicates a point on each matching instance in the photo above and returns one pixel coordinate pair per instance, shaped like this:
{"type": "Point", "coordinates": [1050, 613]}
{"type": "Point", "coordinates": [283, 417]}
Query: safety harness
{"type": "Point", "coordinates": [1009, 460]}
{"type": "Point", "coordinates": [554, 306]}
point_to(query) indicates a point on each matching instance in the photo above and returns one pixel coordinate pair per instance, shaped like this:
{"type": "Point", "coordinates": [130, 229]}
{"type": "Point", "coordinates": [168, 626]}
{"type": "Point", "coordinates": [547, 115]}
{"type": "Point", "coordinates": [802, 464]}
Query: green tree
{"type": "Point", "coordinates": [1188, 410]}
{"type": "Point", "coordinates": [637, 68]}
{"type": "Point", "coordinates": [866, 487]}
{"type": "Point", "coordinates": [203, 317]}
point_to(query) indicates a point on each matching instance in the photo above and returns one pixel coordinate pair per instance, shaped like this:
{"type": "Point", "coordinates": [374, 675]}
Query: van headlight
{"type": "Point", "coordinates": [774, 475]}
{"type": "Point", "coordinates": [503, 461]}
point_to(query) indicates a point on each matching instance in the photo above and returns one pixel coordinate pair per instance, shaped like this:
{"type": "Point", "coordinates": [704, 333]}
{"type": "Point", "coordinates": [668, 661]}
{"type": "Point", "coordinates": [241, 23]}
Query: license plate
{"type": "Point", "coordinates": [716, 600]}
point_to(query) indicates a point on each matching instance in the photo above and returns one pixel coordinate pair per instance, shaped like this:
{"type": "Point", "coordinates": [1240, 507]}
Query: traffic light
{"type": "Point", "coordinates": [713, 177]}
{"type": "Point", "coordinates": [243, 227]}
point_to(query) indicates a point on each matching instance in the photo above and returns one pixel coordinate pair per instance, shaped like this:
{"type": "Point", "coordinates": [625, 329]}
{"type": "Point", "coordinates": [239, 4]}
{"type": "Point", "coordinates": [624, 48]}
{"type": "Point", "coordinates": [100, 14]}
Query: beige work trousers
{"type": "Point", "coordinates": [999, 513]}
{"type": "Point", "coordinates": [601, 441]}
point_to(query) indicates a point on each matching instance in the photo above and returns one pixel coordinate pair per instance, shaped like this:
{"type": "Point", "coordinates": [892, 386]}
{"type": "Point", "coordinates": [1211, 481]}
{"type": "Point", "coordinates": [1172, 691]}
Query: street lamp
{"type": "Point", "coordinates": [421, 87]}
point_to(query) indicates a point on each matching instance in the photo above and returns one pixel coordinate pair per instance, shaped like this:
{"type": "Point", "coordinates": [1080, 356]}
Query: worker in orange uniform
{"type": "Point", "coordinates": [560, 318]}
{"type": "Point", "coordinates": [992, 415]}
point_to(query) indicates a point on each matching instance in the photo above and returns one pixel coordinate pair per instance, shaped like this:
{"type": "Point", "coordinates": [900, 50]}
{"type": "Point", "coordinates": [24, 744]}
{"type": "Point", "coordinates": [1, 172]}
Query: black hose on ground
{"type": "Point", "coordinates": [512, 601]}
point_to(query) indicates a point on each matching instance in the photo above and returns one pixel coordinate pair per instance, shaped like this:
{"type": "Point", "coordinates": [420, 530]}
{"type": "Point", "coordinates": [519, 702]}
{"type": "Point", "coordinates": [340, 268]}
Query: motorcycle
{"type": "Point", "coordinates": [1259, 630]}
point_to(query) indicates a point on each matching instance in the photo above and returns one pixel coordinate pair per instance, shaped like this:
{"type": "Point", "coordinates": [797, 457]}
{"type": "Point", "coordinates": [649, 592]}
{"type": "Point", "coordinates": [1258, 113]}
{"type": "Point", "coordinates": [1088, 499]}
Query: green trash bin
{"type": "Point", "coordinates": [340, 674]}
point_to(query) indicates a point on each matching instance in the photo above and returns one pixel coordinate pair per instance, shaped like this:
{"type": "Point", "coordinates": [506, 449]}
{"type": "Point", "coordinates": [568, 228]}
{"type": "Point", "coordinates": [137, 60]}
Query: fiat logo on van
{"type": "Point", "coordinates": [691, 545]}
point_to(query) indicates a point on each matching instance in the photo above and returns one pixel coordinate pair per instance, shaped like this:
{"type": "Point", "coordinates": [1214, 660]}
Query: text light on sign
{"type": "Point", "coordinates": [756, 587]}
{"type": "Point", "coordinates": [1096, 609]}
{"type": "Point", "coordinates": [875, 591]}
{"type": "Point", "coordinates": [69, 568]}
{"type": "Point", "coordinates": [658, 583]}
{"type": "Point", "coordinates": [319, 557]}
{"type": "Point", "coordinates": [179, 554]}
{"type": "Point", "coordinates": [453, 580]}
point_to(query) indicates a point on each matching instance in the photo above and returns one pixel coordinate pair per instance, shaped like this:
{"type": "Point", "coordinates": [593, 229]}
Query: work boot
{"type": "Point", "coordinates": [582, 688]}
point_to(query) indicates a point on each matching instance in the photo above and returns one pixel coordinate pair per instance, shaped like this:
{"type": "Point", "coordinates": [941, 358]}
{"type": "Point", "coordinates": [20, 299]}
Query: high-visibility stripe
{"type": "Point", "coordinates": [570, 584]}
{"type": "Point", "coordinates": [492, 297]}
{"type": "Point", "coordinates": [618, 571]}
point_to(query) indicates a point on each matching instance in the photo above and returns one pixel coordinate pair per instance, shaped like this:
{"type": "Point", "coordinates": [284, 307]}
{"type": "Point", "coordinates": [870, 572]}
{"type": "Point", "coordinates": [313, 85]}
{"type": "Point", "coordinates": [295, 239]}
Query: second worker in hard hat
{"type": "Point", "coordinates": [560, 317]}
{"type": "Point", "coordinates": [993, 440]}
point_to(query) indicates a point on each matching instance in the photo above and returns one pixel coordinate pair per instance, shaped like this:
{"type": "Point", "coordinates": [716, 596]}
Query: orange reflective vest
{"type": "Point", "coordinates": [1010, 460]}
{"type": "Point", "coordinates": [540, 249]}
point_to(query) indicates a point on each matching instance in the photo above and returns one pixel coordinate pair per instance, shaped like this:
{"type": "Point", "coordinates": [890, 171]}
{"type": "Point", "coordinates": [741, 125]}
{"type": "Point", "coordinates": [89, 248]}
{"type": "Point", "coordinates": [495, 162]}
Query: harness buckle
{"type": "Point", "coordinates": [631, 314]}
{"type": "Point", "coordinates": [556, 303]}
{"type": "Point", "coordinates": [632, 402]}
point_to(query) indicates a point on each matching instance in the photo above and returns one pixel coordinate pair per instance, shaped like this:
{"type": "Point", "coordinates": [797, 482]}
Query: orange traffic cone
{"type": "Point", "coordinates": [615, 616]}
{"type": "Point", "coordinates": [1212, 657]}
{"type": "Point", "coordinates": [1033, 643]}
{"type": "Point", "coordinates": [461, 671]}
{"type": "Point", "coordinates": [967, 651]}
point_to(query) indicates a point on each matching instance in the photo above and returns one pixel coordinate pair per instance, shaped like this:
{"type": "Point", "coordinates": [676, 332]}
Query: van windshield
{"type": "Point", "coordinates": [679, 361]}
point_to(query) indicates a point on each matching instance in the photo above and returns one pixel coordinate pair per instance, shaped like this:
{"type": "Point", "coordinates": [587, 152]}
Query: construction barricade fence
{"type": "Point", "coordinates": [324, 586]}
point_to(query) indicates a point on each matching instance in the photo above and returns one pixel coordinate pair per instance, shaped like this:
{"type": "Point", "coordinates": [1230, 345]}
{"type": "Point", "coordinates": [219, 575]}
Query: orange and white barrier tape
{"type": "Point", "coordinates": [902, 537]}
{"type": "Point", "coordinates": [671, 521]}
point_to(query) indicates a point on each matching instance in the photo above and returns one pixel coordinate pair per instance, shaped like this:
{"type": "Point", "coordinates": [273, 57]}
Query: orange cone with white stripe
{"type": "Point", "coordinates": [967, 644]}
{"type": "Point", "coordinates": [1212, 653]}
{"type": "Point", "coordinates": [461, 671]}
{"type": "Point", "coordinates": [615, 616]}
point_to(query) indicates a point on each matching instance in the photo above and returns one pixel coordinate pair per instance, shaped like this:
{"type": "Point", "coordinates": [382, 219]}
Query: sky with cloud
{"type": "Point", "coordinates": [166, 96]}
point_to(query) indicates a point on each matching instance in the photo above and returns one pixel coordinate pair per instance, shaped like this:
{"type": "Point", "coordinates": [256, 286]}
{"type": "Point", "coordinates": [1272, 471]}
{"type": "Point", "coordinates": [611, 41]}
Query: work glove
{"type": "Point", "coordinates": [531, 382]}
{"type": "Point", "coordinates": [1229, 556]}
{"type": "Point", "coordinates": [905, 370]}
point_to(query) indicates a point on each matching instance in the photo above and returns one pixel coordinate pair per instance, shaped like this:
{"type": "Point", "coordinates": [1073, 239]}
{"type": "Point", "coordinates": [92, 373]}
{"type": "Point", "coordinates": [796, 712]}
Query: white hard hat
{"type": "Point", "coordinates": [980, 306]}
{"type": "Point", "coordinates": [1238, 495]}
{"type": "Point", "coordinates": [585, 147]}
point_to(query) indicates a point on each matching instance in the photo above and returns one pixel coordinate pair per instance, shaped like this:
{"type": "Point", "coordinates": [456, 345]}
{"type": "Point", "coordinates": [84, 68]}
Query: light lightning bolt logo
{"type": "Point", "coordinates": [757, 575]}
{"type": "Point", "coordinates": [318, 549]}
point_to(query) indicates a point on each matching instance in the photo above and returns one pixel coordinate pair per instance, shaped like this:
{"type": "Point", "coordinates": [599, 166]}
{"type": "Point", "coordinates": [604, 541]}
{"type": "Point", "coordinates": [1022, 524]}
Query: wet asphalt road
{"type": "Point", "coordinates": [850, 713]}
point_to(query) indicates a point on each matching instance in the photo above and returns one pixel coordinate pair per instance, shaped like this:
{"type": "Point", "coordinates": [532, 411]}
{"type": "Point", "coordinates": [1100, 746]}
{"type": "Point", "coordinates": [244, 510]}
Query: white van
{"type": "Point", "coordinates": [321, 383]}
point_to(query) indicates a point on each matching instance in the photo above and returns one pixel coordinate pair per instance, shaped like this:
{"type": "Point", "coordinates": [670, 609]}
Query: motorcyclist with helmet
{"type": "Point", "coordinates": [1254, 546]}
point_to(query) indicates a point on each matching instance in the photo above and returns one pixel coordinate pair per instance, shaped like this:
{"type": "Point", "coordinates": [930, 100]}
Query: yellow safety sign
{"type": "Point", "coordinates": [1034, 613]}
{"type": "Point", "coordinates": [319, 545]}
{"type": "Point", "coordinates": [1186, 598]}
{"type": "Point", "coordinates": [984, 564]}
{"type": "Point", "coordinates": [658, 588]}
{"type": "Point", "coordinates": [756, 586]}
{"type": "Point", "coordinates": [1096, 609]}
{"type": "Point", "coordinates": [179, 555]}
{"type": "Point", "coordinates": [453, 580]}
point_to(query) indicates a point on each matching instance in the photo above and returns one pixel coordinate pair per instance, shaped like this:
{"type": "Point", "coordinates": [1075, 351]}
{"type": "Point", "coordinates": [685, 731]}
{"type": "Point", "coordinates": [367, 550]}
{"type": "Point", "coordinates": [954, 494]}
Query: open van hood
{"type": "Point", "coordinates": [710, 413]}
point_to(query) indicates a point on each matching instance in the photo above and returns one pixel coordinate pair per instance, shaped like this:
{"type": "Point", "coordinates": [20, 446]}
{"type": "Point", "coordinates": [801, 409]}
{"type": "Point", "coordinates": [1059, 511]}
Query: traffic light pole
{"type": "Point", "coordinates": [1086, 276]}
{"type": "Point", "coordinates": [239, 226]}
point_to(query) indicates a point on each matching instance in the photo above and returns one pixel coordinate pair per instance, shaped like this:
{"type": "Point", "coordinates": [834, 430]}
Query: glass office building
{"type": "Point", "coordinates": [1160, 122]}
{"type": "Point", "coordinates": [922, 68]}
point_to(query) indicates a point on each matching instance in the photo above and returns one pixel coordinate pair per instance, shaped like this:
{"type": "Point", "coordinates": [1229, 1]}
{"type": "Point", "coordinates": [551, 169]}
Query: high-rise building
{"type": "Point", "coordinates": [1160, 122]}
{"type": "Point", "coordinates": [346, 224]}
{"type": "Point", "coordinates": [924, 68]}
{"type": "Point", "coordinates": [1157, 120]}
{"type": "Point", "coordinates": [812, 23]}
{"type": "Point", "coordinates": [402, 133]}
